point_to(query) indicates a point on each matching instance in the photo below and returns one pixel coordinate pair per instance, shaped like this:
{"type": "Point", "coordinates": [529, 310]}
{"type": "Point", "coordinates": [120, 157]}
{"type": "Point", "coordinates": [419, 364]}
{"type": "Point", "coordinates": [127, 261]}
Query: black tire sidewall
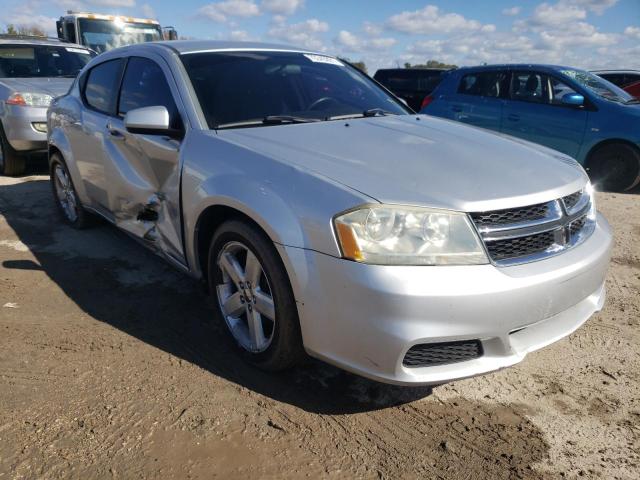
{"type": "Point", "coordinates": [81, 220]}
{"type": "Point", "coordinates": [12, 163]}
{"type": "Point", "coordinates": [625, 179]}
{"type": "Point", "coordinates": [285, 349]}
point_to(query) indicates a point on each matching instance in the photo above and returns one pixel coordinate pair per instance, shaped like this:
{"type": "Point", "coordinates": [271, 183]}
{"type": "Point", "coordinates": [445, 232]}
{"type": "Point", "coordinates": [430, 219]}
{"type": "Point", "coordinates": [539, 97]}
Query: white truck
{"type": "Point", "coordinates": [104, 32]}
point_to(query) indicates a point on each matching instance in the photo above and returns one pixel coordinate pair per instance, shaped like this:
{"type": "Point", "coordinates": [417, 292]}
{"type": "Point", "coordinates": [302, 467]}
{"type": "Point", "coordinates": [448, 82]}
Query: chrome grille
{"type": "Point", "coordinates": [525, 234]}
{"type": "Point", "coordinates": [432, 354]}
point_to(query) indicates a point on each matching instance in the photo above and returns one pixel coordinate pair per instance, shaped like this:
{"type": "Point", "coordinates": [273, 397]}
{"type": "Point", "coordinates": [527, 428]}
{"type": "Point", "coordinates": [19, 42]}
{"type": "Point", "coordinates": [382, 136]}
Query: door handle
{"type": "Point", "coordinates": [456, 108]}
{"type": "Point", "coordinates": [513, 117]}
{"type": "Point", "coordinates": [115, 133]}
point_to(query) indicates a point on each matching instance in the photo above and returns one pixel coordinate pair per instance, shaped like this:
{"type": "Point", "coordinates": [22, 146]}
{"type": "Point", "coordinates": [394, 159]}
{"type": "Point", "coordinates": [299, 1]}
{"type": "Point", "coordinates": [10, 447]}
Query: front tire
{"type": "Point", "coordinates": [65, 196]}
{"type": "Point", "coordinates": [254, 298]}
{"type": "Point", "coordinates": [11, 162]}
{"type": "Point", "coordinates": [615, 167]}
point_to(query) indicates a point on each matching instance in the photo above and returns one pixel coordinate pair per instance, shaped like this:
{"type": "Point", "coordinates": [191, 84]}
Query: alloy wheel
{"type": "Point", "coordinates": [66, 194]}
{"type": "Point", "coordinates": [245, 297]}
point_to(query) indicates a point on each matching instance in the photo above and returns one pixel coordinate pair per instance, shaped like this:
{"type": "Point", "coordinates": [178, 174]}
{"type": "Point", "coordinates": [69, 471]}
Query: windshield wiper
{"type": "Point", "coordinates": [268, 120]}
{"type": "Point", "coordinates": [632, 101]}
{"type": "Point", "coordinates": [372, 112]}
{"type": "Point", "coordinates": [278, 119]}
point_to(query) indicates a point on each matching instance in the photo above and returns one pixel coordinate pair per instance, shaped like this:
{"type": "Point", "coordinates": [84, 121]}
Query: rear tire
{"type": "Point", "coordinates": [278, 344]}
{"type": "Point", "coordinates": [65, 196]}
{"type": "Point", "coordinates": [11, 162]}
{"type": "Point", "coordinates": [615, 167]}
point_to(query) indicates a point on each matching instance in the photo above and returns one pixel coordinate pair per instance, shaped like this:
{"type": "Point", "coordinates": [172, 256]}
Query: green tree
{"type": "Point", "coordinates": [33, 30]}
{"type": "Point", "coordinates": [430, 64]}
{"type": "Point", "coordinates": [360, 65]}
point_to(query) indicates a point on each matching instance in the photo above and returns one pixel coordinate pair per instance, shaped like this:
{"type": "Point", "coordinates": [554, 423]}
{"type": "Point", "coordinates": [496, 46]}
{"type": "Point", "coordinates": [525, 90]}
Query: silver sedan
{"type": "Point", "coordinates": [327, 218]}
{"type": "Point", "coordinates": [33, 70]}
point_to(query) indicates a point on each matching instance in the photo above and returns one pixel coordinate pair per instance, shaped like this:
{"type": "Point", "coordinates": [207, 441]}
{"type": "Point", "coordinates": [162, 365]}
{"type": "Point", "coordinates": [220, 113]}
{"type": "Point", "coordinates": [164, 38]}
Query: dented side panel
{"type": "Point", "coordinates": [143, 172]}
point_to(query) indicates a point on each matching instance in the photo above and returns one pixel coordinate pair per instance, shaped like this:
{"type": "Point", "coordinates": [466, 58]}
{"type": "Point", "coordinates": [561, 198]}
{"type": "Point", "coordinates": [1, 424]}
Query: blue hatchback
{"type": "Point", "coordinates": [563, 108]}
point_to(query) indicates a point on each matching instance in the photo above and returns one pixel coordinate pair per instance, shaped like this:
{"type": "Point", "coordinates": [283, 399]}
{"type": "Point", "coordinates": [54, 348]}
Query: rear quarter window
{"type": "Point", "coordinates": [483, 84]}
{"type": "Point", "coordinates": [410, 80]}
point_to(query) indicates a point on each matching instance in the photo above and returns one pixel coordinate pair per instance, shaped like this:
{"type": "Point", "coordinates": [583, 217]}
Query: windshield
{"type": "Point", "coordinates": [599, 86]}
{"type": "Point", "coordinates": [30, 61]}
{"type": "Point", "coordinates": [249, 88]}
{"type": "Point", "coordinates": [102, 35]}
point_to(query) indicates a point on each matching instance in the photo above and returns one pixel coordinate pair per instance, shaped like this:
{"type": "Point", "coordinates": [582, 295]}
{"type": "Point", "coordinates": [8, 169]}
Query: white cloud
{"type": "Point", "coordinates": [282, 7]}
{"type": "Point", "coordinates": [579, 34]}
{"type": "Point", "coordinates": [240, 36]}
{"type": "Point", "coordinates": [596, 6]}
{"type": "Point", "coordinates": [304, 34]}
{"type": "Point", "coordinates": [221, 11]}
{"type": "Point", "coordinates": [430, 20]}
{"type": "Point", "coordinates": [556, 15]}
{"type": "Point", "coordinates": [372, 29]}
{"type": "Point", "coordinates": [350, 42]}
{"type": "Point", "coordinates": [633, 32]}
{"type": "Point", "coordinates": [512, 12]}
{"type": "Point", "coordinates": [28, 14]}
{"type": "Point", "coordinates": [113, 3]}
{"type": "Point", "coordinates": [148, 11]}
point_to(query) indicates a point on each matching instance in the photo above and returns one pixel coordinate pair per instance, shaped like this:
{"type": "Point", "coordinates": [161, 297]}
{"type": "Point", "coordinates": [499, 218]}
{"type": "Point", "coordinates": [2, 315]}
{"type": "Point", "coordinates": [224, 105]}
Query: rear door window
{"type": "Point", "coordinates": [145, 85]}
{"type": "Point", "coordinates": [484, 84]}
{"type": "Point", "coordinates": [101, 87]}
{"type": "Point", "coordinates": [530, 87]}
{"type": "Point", "coordinates": [631, 78]}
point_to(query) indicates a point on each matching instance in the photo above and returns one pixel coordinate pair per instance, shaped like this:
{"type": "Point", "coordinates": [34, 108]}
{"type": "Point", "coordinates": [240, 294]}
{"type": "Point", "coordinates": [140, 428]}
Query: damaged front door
{"type": "Point", "coordinates": [143, 170]}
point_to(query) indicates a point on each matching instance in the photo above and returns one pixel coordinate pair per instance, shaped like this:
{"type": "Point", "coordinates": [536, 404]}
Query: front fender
{"type": "Point", "coordinates": [293, 206]}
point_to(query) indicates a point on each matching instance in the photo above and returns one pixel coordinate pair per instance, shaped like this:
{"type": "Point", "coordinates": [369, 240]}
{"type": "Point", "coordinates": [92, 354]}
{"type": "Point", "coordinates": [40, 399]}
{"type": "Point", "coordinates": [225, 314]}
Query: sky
{"type": "Point", "coordinates": [581, 33]}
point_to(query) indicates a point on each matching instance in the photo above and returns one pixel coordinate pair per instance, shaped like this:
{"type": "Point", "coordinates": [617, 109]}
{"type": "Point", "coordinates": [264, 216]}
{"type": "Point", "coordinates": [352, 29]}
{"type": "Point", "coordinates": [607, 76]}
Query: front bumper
{"type": "Point", "coordinates": [364, 318]}
{"type": "Point", "coordinates": [18, 120]}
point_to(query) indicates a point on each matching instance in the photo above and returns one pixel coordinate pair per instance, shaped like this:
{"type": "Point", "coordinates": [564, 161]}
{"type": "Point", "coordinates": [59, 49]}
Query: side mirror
{"type": "Point", "coordinates": [573, 99]}
{"type": "Point", "coordinates": [148, 120]}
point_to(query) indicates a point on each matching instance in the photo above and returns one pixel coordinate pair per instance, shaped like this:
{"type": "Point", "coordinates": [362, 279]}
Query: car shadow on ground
{"type": "Point", "coordinates": [117, 281]}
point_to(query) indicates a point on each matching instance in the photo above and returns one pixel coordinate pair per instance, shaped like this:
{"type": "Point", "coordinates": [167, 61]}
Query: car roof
{"type": "Point", "coordinates": [194, 46]}
{"type": "Point", "coordinates": [516, 66]}
{"type": "Point", "coordinates": [34, 40]}
{"type": "Point", "coordinates": [434, 69]}
{"type": "Point", "coordinates": [616, 71]}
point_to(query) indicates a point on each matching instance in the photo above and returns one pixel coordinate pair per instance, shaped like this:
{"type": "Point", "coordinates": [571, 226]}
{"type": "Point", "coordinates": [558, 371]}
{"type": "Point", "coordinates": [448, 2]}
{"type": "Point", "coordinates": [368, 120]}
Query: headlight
{"type": "Point", "coordinates": [30, 99]}
{"type": "Point", "coordinates": [397, 235]}
{"type": "Point", "coordinates": [592, 197]}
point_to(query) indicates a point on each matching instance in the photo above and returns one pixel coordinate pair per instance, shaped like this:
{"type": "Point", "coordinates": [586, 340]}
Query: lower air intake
{"type": "Point", "coordinates": [431, 354]}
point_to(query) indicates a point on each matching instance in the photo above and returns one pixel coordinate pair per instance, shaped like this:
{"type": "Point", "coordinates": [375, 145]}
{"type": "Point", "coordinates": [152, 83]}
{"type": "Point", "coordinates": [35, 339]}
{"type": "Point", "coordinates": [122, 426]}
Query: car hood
{"type": "Point", "coordinates": [420, 160]}
{"type": "Point", "coordinates": [51, 86]}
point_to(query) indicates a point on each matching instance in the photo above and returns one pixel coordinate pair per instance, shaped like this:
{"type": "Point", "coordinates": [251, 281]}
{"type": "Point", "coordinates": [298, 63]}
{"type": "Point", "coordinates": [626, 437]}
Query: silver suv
{"type": "Point", "coordinates": [327, 218]}
{"type": "Point", "coordinates": [33, 70]}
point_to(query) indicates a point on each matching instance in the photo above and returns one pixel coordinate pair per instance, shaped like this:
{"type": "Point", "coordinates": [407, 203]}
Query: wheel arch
{"type": "Point", "coordinates": [608, 141]}
{"type": "Point", "coordinates": [208, 222]}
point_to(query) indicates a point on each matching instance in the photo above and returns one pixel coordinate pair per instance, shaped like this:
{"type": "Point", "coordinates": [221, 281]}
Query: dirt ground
{"type": "Point", "coordinates": [111, 368]}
